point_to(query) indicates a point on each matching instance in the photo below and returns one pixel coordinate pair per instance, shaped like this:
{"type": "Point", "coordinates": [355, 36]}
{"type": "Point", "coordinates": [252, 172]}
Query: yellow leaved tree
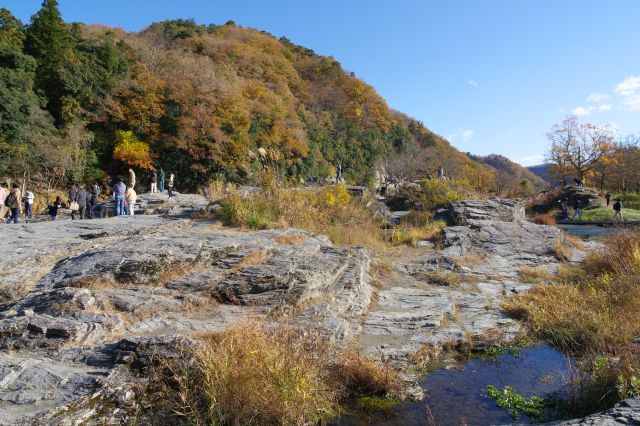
{"type": "Point", "coordinates": [132, 151]}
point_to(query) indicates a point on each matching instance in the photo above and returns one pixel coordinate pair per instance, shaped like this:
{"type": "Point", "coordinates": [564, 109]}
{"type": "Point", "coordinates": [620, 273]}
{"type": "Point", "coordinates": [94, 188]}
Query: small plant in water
{"type": "Point", "coordinates": [515, 403]}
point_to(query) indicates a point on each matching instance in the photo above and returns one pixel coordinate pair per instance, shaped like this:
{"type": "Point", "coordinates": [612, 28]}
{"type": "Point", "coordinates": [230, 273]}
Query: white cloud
{"type": "Point", "coordinates": [530, 160]}
{"type": "Point", "coordinates": [605, 107]}
{"type": "Point", "coordinates": [472, 83]}
{"type": "Point", "coordinates": [466, 134]}
{"type": "Point", "coordinates": [582, 111]}
{"type": "Point", "coordinates": [629, 90]}
{"type": "Point", "coordinates": [597, 97]}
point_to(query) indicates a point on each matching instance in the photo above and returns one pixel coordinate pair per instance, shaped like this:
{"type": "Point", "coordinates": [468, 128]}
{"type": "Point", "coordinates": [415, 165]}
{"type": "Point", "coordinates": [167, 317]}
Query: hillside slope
{"type": "Point", "coordinates": [217, 101]}
{"type": "Point", "coordinates": [511, 175]}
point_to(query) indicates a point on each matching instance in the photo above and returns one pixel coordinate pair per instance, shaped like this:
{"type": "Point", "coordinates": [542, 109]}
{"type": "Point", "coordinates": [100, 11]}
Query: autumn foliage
{"type": "Point", "coordinates": [131, 151]}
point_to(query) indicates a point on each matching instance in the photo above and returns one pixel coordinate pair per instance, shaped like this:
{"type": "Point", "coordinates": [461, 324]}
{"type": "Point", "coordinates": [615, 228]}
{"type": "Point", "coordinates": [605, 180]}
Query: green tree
{"type": "Point", "coordinates": [11, 31]}
{"type": "Point", "coordinates": [50, 41]}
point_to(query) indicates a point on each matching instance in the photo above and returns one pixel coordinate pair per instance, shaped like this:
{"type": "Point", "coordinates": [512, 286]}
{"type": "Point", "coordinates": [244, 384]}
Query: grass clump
{"type": "Point", "coordinates": [448, 279]}
{"type": "Point", "coordinates": [591, 312]}
{"type": "Point", "coordinates": [330, 210]}
{"type": "Point", "coordinates": [251, 374]}
{"type": "Point", "coordinates": [543, 219]}
{"type": "Point", "coordinates": [531, 275]}
{"type": "Point", "coordinates": [416, 226]}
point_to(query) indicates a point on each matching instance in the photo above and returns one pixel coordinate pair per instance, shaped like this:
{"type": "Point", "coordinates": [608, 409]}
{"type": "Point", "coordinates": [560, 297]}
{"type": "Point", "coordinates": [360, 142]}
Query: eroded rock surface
{"type": "Point", "coordinates": [77, 293]}
{"type": "Point", "coordinates": [86, 303]}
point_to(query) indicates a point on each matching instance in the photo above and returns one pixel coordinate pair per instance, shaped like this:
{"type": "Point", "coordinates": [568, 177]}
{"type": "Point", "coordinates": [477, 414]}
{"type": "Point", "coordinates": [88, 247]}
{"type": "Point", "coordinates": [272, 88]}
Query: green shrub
{"type": "Point", "coordinates": [515, 403]}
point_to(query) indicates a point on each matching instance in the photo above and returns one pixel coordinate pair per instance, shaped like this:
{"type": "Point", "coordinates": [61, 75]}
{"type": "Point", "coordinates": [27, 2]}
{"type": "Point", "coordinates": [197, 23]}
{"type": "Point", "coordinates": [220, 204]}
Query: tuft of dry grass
{"type": "Point", "coordinates": [543, 219]}
{"type": "Point", "coordinates": [561, 250]}
{"type": "Point", "coordinates": [591, 312]}
{"type": "Point", "coordinates": [361, 375]}
{"type": "Point", "coordinates": [532, 275]}
{"type": "Point", "coordinates": [254, 374]}
{"type": "Point", "coordinates": [449, 279]}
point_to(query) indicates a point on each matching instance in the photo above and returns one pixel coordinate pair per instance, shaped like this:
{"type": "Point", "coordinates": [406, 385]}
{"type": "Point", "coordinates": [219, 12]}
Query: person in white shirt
{"type": "Point", "coordinates": [28, 204]}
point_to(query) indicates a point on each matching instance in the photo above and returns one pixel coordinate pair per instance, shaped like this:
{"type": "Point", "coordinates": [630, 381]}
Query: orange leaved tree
{"type": "Point", "coordinates": [132, 151]}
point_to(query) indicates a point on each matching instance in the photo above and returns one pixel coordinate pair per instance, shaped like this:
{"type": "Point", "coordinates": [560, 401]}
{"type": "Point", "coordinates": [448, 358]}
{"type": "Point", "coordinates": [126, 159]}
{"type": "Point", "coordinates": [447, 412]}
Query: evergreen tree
{"type": "Point", "coordinates": [11, 31]}
{"type": "Point", "coordinates": [51, 43]}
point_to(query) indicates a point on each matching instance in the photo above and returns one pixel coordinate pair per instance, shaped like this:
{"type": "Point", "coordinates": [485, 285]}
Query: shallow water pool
{"type": "Point", "coordinates": [456, 396]}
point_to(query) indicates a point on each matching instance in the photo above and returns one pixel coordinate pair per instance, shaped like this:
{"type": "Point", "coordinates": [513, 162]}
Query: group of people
{"type": "Point", "coordinates": [81, 200]}
{"type": "Point", "coordinates": [577, 208]}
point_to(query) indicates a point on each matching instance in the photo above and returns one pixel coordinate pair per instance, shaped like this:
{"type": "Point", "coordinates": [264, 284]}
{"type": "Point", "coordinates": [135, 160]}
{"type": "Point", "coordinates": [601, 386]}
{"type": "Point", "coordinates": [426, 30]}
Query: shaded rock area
{"type": "Point", "coordinates": [86, 306]}
{"type": "Point", "coordinates": [624, 413]}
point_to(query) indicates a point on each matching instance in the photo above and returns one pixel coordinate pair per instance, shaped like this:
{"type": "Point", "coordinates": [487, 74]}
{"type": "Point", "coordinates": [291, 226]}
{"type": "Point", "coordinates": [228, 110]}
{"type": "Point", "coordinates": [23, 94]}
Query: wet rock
{"type": "Point", "coordinates": [626, 412]}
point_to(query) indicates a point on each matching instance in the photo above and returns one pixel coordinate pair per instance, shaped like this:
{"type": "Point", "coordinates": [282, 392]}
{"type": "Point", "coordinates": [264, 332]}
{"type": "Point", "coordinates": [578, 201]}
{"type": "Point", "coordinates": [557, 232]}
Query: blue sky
{"type": "Point", "coordinates": [491, 75]}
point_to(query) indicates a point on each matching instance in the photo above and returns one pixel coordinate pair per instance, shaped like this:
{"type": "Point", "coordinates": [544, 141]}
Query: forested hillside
{"type": "Point", "coordinates": [511, 175]}
{"type": "Point", "coordinates": [81, 102]}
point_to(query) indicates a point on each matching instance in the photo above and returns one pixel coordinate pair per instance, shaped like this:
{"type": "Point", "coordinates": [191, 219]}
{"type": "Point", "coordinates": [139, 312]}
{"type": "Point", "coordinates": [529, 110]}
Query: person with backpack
{"type": "Point", "coordinates": [617, 207]}
{"type": "Point", "coordinates": [12, 202]}
{"type": "Point", "coordinates": [54, 207]}
{"type": "Point", "coordinates": [119, 190]}
{"type": "Point", "coordinates": [28, 204]}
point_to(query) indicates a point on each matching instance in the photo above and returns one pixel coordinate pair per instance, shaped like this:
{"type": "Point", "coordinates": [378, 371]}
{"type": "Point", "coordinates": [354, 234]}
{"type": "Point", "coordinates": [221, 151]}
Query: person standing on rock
{"type": "Point", "coordinates": [13, 202]}
{"type": "Point", "coordinates": [4, 191]}
{"type": "Point", "coordinates": [154, 182]}
{"type": "Point", "coordinates": [73, 204]}
{"type": "Point", "coordinates": [81, 199]}
{"type": "Point", "coordinates": [607, 197]}
{"type": "Point", "coordinates": [119, 190]}
{"type": "Point", "coordinates": [617, 207]}
{"type": "Point", "coordinates": [28, 204]}
{"type": "Point", "coordinates": [162, 178]}
{"type": "Point", "coordinates": [170, 184]}
{"type": "Point", "coordinates": [132, 178]}
{"type": "Point", "coordinates": [577, 207]}
{"type": "Point", "coordinates": [92, 200]}
{"type": "Point", "coordinates": [130, 197]}
{"type": "Point", "coordinates": [54, 207]}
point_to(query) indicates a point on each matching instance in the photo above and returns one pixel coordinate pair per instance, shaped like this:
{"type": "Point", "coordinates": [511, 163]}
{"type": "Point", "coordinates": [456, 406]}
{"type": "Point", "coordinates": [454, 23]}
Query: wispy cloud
{"type": "Point", "coordinates": [629, 89]}
{"type": "Point", "coordinates": [472, 83]}
{"type": "Point", "coordinates": [530, 160]}
{"type": "Point", "coordinates": [466, 134]}
{"type": "Point", "coordinates": [463, 134]}
{"type": "Point", "coordinates": [605, 107]}
{"type": "Point", "coordinates": [597, 97]}
{"type": "Point", "coordinates": [582, 110]}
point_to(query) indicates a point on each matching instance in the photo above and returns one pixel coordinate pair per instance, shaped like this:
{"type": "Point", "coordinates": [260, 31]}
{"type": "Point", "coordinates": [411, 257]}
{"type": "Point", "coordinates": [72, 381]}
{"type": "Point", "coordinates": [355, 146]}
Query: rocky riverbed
{"type": "Point", "coordinates": [86, 303]}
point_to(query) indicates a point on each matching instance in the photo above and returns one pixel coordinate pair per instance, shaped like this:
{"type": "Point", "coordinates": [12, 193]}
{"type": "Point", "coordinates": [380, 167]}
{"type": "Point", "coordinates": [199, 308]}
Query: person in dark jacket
{"type": "Point", "coordinates": [607, 197]}
{"type": "Point", "coordinates": [73, 192]}
{"type": "Point", "coordinates": [54, 207]}
{"type": "Point", "coordinates": [577, 207]}
{"type": "Point", "coordinates": [81, 199]}
{"type": "Point", "coordinates": [617, 207]}
{"type": "Point", "coordinates": [162, 178]}
{"type": "Point", "coordinates": [92, 199]}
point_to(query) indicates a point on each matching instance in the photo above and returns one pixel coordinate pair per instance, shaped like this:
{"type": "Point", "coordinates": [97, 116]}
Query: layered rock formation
{"type": "Point", "coordinates": [87, 304]}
